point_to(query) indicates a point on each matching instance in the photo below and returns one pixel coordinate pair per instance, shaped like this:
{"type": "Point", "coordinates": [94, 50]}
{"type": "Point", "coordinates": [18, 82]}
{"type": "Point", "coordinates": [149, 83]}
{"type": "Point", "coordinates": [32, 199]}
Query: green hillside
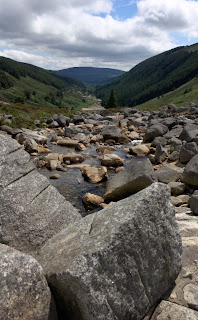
{"type": "Point", "coordinates": [93, 76]}
{"type": "Point", "coordinates": [25, 83]}
{"type": "Point", "coordinates": [154, 77]}
{"type": "Point", "coordinates": [181, 96]}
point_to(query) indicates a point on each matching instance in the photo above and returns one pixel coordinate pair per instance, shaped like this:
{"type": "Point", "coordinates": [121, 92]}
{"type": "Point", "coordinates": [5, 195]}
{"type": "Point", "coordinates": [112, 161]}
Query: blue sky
{"type": "Point", "coordinates": [124, 9]}
{"type": "Point", "coordinates": [104, 33]}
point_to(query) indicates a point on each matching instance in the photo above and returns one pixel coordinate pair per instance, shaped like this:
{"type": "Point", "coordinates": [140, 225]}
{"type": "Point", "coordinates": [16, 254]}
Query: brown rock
{"type": "Point", "coordinates": [43, 150]}
{"type": "Point", "coordinates": [52, 164]}
{"type": "Point", "coordinates": [119, 169]}
{"type": "Point", "coordinates": [95, 174]}
{"type": "Point", "coordinates": [91, 201]}
{"type": "Point", "coordinates": [55, 176]}
{"type": "Point", "coordinates": [105, 149]}
{"type": "Point", "coordinates": [68, 143]}
{"type": "Point", "coordinates": [112, 160]}
{"type": "Point", "coordinates": [73, 157]}
{"type": "Point", "coordinates": [141, 150]}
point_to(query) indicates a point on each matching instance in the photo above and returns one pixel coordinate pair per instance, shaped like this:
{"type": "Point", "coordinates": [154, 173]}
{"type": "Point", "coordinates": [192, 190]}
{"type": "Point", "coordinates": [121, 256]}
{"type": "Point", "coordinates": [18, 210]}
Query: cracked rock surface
{"type": "Point", "coordinates": [24, 292]}
{"type": "Point", "coordinates": [115, 264]}
{"type": "Point", "coordinates": [31, 210]}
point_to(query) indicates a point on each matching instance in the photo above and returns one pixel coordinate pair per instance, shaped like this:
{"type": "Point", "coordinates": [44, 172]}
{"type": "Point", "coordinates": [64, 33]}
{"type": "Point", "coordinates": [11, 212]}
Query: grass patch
{"type": "Point", "coordinates": [181, 96]}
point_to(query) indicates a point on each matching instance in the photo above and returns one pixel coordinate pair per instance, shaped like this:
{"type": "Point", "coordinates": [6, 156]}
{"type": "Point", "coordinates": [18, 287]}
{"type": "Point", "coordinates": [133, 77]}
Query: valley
{"type": "Point", "coordinates": [99, 205]}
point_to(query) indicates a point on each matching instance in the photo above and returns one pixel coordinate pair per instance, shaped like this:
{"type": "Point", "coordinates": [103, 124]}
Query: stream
{"type": "Point", "coordinates": [72, 184]}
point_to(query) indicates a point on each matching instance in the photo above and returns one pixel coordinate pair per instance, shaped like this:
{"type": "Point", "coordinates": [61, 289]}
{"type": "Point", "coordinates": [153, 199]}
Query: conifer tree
{"type": "Point", "coordinates": [112, 102]}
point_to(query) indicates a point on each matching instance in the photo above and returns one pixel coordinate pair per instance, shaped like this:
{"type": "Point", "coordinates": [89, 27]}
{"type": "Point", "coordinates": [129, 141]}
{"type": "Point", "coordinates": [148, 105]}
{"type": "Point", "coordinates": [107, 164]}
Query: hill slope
{"type": "Point", "coordinates": [93, 76]}
{"type": "Point", "coordinates": [154, 77]}
{"type": "Point", "coordinates": [182, 96]}
{"type": "Point", "coordinates": [21, 82]}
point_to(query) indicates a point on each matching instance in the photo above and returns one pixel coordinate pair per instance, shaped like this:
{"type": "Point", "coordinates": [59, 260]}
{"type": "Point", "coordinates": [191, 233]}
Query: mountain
{"type": "Point", "coordinates": [22, 82]}
{"type": "Point", "coordinates": [93, 76]}
{"type": "Point", "coordinates": [153, 77]}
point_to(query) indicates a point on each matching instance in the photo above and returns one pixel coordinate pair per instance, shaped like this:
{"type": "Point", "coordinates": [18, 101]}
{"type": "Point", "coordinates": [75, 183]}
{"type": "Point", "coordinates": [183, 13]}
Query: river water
{"type": "Point", "coordinates": [72, 184]}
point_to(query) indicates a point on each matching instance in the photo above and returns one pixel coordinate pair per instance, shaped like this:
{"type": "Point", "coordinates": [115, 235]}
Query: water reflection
{"type": "Point", "coordinates": [72, 185]}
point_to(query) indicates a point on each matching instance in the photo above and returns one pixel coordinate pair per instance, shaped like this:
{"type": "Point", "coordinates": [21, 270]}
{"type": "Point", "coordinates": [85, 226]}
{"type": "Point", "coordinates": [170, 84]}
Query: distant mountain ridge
{"type": "Point", "coordinates": [153, 77]}
{"type": "Point", "coordinates": [91, 75]}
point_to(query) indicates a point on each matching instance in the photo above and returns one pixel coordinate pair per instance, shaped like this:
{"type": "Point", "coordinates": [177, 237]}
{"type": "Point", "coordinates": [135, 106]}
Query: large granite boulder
{"type": "Point", "coordinates": [130, 181]}
{"type": "Point", "coordinates": [188, 150]}
{"type": "Point", "coordinates": [116, 263]}
{"type": "Point", "coordinates": [190, 174]}
{"type": "Point", "coordinates": [189, 132]}
{"type": "Point", "coordinates": [154, 131]}
{"type": "Point", "coordinates": [71, 131]}
{"type": "Point", "coordinates": [167, 173]}
{"type": "Point", "coordinates": [111, 132]}
{"type": "Point", "coordinates": [31, 210]}
{"type": "Point", "coordinates": [24, 293]}
{"type": "Point", "coordinates": [174, 132]}
{"type": "Point", "coordinates": [61, 120]}
{"type": "Point", "coordinates": [29, 134]}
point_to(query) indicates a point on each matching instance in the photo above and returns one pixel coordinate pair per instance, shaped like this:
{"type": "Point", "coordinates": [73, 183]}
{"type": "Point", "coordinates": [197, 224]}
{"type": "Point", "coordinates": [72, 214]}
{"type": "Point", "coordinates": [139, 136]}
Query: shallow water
{"type": "Point", "coordinates": [72, 184]}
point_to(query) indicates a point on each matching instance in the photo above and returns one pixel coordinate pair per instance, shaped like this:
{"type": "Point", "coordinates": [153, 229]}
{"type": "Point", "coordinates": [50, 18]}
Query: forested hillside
{"type": "Point", "coordinates": [93, 76]}
{"type": "Point", "coordinates": [21, 82]}
{"type": "Point", "coordinates": [153, 77]}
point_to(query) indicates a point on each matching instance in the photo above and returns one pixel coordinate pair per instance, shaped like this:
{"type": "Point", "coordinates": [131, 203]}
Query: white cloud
{"type": "Point", "coordinates": [74, 33]}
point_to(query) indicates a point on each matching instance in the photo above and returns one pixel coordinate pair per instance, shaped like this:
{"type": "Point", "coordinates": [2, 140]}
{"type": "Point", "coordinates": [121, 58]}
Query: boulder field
{"type": "Point", "coordinates": [124, 261]}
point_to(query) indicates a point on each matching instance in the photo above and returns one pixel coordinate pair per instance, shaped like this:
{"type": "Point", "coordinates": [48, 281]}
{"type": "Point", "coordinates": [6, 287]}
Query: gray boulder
{"type": "Point", "coordinates": [31, 210]}
{"type": "Point", "coordinates": [190, 174]}
{"type": "Point", "coordinates": [189, 132]}
{"type": "Point", "coordinates": [167, 310]}
{"type": "Point", "coordinates": [154, 131]}
{"type": "Point", "coordinates": [167, 173]}
{"type": "Point", "coordinates": [71, 131]}
{"type": "Point", "coordinates": [175, 144]}
{"type": "Point", "coordinates": [116, 263]}
{"type": "Point", "coordinates": [78, 119]}
{"type": "Point", "coordinates": [160, 154]}
{"type": "Point", "coordinates": [159, 140]}
{"type": "Point", "coordinates": [188, 150]}
{"type": "Point", "coordinates": [7, 129]}
{"type": "Point", "coordinates": [169, 122]}
{"type": "Point", "coordinates": [31, 145]}
{"type": "Point", "coordinates": [194, 202]}
{"type": "Point", "coordinates": [177, 187]}
{"type": "Point", "coordinates": [174, 156]}
{"type": "Point", "coordinates": [29, 134]}
{"type": "Point", "coordinates": [130, 181]}
{"type": "Point", "coordinates": [111, 132]}
{"type": "Point", "coordinates": [24, 291]}
{"type": "Point", "coordinates": [53, 124]}
{"type": "Point", "coordinates": [174, 132]}
{"type": "Point", "coordinates": [61, 120]}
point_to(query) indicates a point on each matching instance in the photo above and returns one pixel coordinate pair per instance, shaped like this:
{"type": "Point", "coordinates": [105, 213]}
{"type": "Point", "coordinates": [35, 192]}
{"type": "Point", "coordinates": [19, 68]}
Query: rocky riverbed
{"type": "Point", "coordinates": [74, 151]}
{"type": "Point", "coordinates": [126, 165]}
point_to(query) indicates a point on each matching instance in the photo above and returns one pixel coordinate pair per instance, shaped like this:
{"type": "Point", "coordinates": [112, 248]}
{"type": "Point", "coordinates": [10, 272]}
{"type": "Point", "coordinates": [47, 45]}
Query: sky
{"type": "Point", "coordinates": [59, 34]}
